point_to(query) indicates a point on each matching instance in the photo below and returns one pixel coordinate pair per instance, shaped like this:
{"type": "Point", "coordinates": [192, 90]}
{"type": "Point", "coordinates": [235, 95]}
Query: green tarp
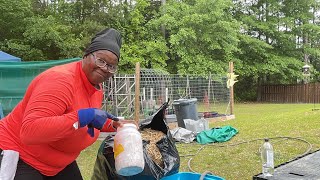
{"type": "Point", "coordinates": [222, 134]}
{"type": "Point", "coordinates": [16, 76]}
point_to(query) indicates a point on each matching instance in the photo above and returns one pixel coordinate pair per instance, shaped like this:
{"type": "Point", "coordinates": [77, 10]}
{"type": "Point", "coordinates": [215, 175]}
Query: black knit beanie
{"type": "Point", "coordinates": [108, 39]}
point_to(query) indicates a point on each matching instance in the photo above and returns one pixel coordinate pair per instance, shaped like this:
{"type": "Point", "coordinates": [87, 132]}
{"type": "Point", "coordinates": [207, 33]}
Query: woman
{"type": "Point", "coordinates": [59, 115]}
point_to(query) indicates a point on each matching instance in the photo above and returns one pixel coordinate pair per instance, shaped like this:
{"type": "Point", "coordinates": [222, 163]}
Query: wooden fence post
{"type": "Point", "coordinates": [231, 90]}
{"type": "Point", "coordinates": [137, 94]}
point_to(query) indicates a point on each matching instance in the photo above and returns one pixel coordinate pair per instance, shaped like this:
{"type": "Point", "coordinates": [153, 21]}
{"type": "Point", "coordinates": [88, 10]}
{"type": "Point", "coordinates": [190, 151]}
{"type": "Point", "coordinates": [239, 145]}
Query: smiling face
{"type": "Point", "coordinates": [95, 74]}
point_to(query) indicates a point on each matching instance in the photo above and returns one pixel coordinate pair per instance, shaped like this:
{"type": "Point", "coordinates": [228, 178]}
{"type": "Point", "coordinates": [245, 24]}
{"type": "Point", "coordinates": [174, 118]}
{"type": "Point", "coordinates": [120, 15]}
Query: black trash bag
{"type": "Point", "coordinates": [105, 167]}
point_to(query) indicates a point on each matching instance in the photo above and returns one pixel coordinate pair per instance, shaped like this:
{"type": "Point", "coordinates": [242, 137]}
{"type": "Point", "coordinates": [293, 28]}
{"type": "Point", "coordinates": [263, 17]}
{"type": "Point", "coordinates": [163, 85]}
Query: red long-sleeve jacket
{"type": "Point", "coordinates": [41, 128]}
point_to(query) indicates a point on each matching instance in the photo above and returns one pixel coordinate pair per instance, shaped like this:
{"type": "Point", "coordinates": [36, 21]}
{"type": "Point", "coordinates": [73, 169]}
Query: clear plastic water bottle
{"type": "Point", "coordinates": [267, 158]}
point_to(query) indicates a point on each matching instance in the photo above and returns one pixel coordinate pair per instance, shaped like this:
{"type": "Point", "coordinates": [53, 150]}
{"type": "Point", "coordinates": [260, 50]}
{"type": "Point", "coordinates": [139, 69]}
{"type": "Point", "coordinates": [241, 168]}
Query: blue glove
{"type": "Point", "coordinates": [94, 118]}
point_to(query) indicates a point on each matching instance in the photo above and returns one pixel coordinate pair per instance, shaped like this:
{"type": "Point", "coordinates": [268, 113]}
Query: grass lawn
{"type": "Point", "coordinates": [239, 158]}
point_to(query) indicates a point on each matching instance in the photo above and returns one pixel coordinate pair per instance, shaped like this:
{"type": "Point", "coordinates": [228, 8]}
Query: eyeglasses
{"type": "Point", "coordinates": [102, 64]}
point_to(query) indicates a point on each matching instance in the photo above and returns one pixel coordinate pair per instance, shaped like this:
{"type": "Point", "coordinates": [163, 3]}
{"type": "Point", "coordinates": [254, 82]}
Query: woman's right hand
{"type": "Point", "coordinates": [94, 118]}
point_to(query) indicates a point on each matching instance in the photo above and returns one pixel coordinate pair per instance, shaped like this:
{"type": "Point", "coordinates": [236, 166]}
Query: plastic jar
{"type": "Point", "coordinates": [128, 150]}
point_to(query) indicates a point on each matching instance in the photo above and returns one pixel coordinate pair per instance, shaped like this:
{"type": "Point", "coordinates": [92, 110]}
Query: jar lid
{"type": "Point", "coordinates": [129, 125]}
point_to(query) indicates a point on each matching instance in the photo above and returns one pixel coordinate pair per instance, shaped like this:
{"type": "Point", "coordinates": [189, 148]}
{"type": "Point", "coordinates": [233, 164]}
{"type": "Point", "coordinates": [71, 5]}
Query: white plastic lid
{"type": "Point", "coordinates": [120, 117]}
{"type": "Point", "coordinates": [128, 125]}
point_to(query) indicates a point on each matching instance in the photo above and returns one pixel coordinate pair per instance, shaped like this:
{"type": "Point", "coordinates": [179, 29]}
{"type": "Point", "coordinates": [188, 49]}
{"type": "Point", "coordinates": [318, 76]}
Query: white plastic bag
{"type": "Point", "coordinates": [9, 164]}
{"type": "Point", "coordinates": [196, 126]}
{"type": "Point", "coordinates": [183, 135]}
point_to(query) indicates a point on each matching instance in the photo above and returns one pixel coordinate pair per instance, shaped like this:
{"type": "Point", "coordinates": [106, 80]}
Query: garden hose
{"type": "Point", "coordinates": [258, 139]}
{"type": "Point", "coordinates": [204, 175]}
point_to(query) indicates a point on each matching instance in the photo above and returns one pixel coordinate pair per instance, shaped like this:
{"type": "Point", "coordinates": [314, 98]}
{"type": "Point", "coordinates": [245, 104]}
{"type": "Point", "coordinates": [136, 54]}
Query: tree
{"type": "Point", "coordinates": [45, 39]}
{"type": "Point", "coordinates": [143, 41]}
{"type": "Point", "coordinates": [202, 35]}
{"type": "Point", "coordinates": [276, 59]}
{"type": "Point", "coordinates": [13, 22]}
{"type": "Point", "coordinates": [12, 19]}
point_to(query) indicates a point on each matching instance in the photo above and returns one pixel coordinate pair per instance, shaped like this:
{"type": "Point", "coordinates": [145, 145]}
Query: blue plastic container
{"type": "Point", "coordinates": [191, 176]}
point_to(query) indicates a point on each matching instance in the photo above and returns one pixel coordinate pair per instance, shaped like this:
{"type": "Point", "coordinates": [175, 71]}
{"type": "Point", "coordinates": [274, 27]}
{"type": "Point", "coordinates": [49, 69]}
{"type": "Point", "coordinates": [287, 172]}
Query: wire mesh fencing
{"type": "Point", "coordinates": [157, 87]}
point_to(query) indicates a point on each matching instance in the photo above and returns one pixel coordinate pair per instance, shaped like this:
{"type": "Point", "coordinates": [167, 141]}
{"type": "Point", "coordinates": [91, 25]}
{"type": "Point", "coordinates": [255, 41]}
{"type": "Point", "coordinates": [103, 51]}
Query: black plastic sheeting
{"type": "Point", "coordinates": [166, 145]}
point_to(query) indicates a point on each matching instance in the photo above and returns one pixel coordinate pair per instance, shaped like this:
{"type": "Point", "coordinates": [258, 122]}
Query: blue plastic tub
{"type": "Point", "coordinates": [191, 176]}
